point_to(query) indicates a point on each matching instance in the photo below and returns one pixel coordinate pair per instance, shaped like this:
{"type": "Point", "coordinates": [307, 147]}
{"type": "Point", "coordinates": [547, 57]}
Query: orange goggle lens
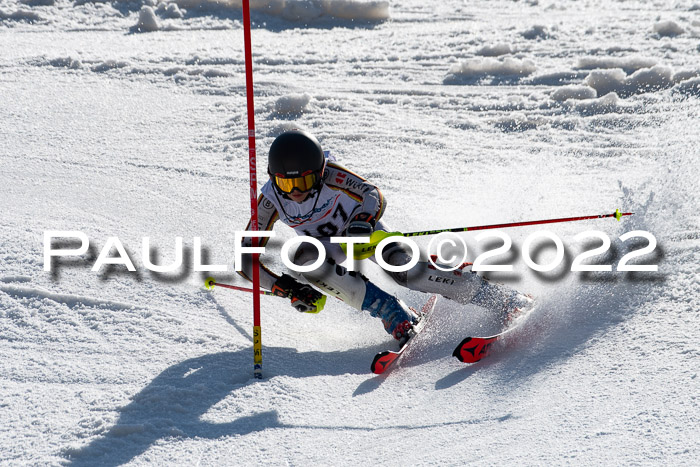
{"type": "Point", "coordinates": [303, 183]}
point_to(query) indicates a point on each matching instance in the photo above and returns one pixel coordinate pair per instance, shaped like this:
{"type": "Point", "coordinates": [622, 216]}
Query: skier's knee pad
{"type": "Point", "coordinates": [397, 254]}
{"type": "Point", "coordinates": [338, 282]}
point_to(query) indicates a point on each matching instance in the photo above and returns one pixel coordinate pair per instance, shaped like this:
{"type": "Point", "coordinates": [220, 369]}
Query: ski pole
{"type": "Point", "coordinates": [617, 215]}
{"type": "Point", "coordinates": [366, 250]}
{"type": "Point", "coordinates": [210, 283]}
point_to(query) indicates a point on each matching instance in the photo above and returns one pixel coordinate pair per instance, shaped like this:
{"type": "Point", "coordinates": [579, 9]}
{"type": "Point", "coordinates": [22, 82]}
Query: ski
{"type": "Point", "coordinates": [473, 349]}
{"type": "Point", "coordinates": [385, 360]}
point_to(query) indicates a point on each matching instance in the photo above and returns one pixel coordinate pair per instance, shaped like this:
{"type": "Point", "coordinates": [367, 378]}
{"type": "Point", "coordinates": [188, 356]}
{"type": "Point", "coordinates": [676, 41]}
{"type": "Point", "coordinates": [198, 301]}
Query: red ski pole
{"type": "Point", "coordinates": [617, 215]}
{"type": "Point", "coordinates": [210, 283]}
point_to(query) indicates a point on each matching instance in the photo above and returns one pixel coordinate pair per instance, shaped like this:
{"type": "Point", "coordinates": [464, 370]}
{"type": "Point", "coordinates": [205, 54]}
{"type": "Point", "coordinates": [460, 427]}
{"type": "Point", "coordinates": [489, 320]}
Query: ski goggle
{"type": "Point", "coordinates": [306, 182]}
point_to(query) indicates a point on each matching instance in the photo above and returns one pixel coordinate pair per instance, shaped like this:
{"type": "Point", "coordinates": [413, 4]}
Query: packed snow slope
{"type": "Point", "coordinates": [127, 119]}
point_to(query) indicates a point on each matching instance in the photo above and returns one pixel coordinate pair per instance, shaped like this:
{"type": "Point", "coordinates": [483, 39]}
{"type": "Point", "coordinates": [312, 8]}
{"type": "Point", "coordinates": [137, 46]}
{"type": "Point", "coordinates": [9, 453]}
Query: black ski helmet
{"type": "Point", "coordinates": [296, 156]}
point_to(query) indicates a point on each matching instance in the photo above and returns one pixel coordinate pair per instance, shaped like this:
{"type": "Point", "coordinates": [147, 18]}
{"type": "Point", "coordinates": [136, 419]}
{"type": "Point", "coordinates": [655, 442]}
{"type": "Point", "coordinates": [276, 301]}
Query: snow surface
{"type": "Point", "coordinates": [464, 113]}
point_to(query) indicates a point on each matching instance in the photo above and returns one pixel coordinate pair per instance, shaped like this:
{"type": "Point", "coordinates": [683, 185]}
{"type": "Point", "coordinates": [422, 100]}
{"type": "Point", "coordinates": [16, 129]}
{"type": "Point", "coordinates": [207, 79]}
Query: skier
{"type": "Point", "coordinates": [321, 199]}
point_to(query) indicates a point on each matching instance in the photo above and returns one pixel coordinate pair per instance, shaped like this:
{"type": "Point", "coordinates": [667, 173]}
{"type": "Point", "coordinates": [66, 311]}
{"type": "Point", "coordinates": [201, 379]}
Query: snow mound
{"type": "Point", "coordinates": [685, 75]}
{"type": "Point", "coordinates": [495, 50]}
{"type": "Point", "coordinates": [169, 10]}
{"type": "Point", "coordinates": [147, 21]}
{"type": "Point", "coordinates": [610, 103]}
{"type": "Point", "coordinates": [668, 29]}
{"type": "Point", "coordinates": [628, 64]}
{"type": "Point", "coordinates": [482, 67]}
{"type": "Point", "coordinates": [689, 87]}
{"type": "Point", "coordinates": [651, 79]}
{"type": "Point", "coordinates": [21, 15]}
{"type": "Point", "coordinates": [108, 65]}
{"type": "Point", "coordinates": [294, 104]}
{"type": "Point", "coordinates": [645, 80]}
{"type": "Point", "coordinates": [66, 62]}
{"type": "Point", "coordinates": [536, 32]}
{"type": "Point", "coordinates": [574, 92]}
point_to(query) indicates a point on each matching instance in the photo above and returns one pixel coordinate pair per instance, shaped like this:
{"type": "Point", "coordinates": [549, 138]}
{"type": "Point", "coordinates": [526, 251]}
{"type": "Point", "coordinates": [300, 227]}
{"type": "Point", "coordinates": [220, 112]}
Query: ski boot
{"type": "Point", "coordinates": [399, 320]}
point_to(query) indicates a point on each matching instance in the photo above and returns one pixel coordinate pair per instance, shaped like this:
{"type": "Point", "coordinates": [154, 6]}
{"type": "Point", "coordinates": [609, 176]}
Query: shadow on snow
{"type": "Point", "coordinates": [174, 402]}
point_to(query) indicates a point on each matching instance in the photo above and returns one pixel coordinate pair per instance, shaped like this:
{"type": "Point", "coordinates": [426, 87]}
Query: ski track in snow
{"type": "Point", "coordinates": [464, 113]}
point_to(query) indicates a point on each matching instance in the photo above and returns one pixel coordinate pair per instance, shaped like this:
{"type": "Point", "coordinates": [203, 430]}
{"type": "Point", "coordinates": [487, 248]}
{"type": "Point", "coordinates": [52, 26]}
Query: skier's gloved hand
{"type": "Point", "coordinates": [304, 297]}
{"type": "Point", "coordinates": [362, 225]}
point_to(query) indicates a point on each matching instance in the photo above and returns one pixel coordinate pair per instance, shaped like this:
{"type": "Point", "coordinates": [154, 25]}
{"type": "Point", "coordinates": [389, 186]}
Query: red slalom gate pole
{"type": "Point", "coordinates": [252, 163]}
